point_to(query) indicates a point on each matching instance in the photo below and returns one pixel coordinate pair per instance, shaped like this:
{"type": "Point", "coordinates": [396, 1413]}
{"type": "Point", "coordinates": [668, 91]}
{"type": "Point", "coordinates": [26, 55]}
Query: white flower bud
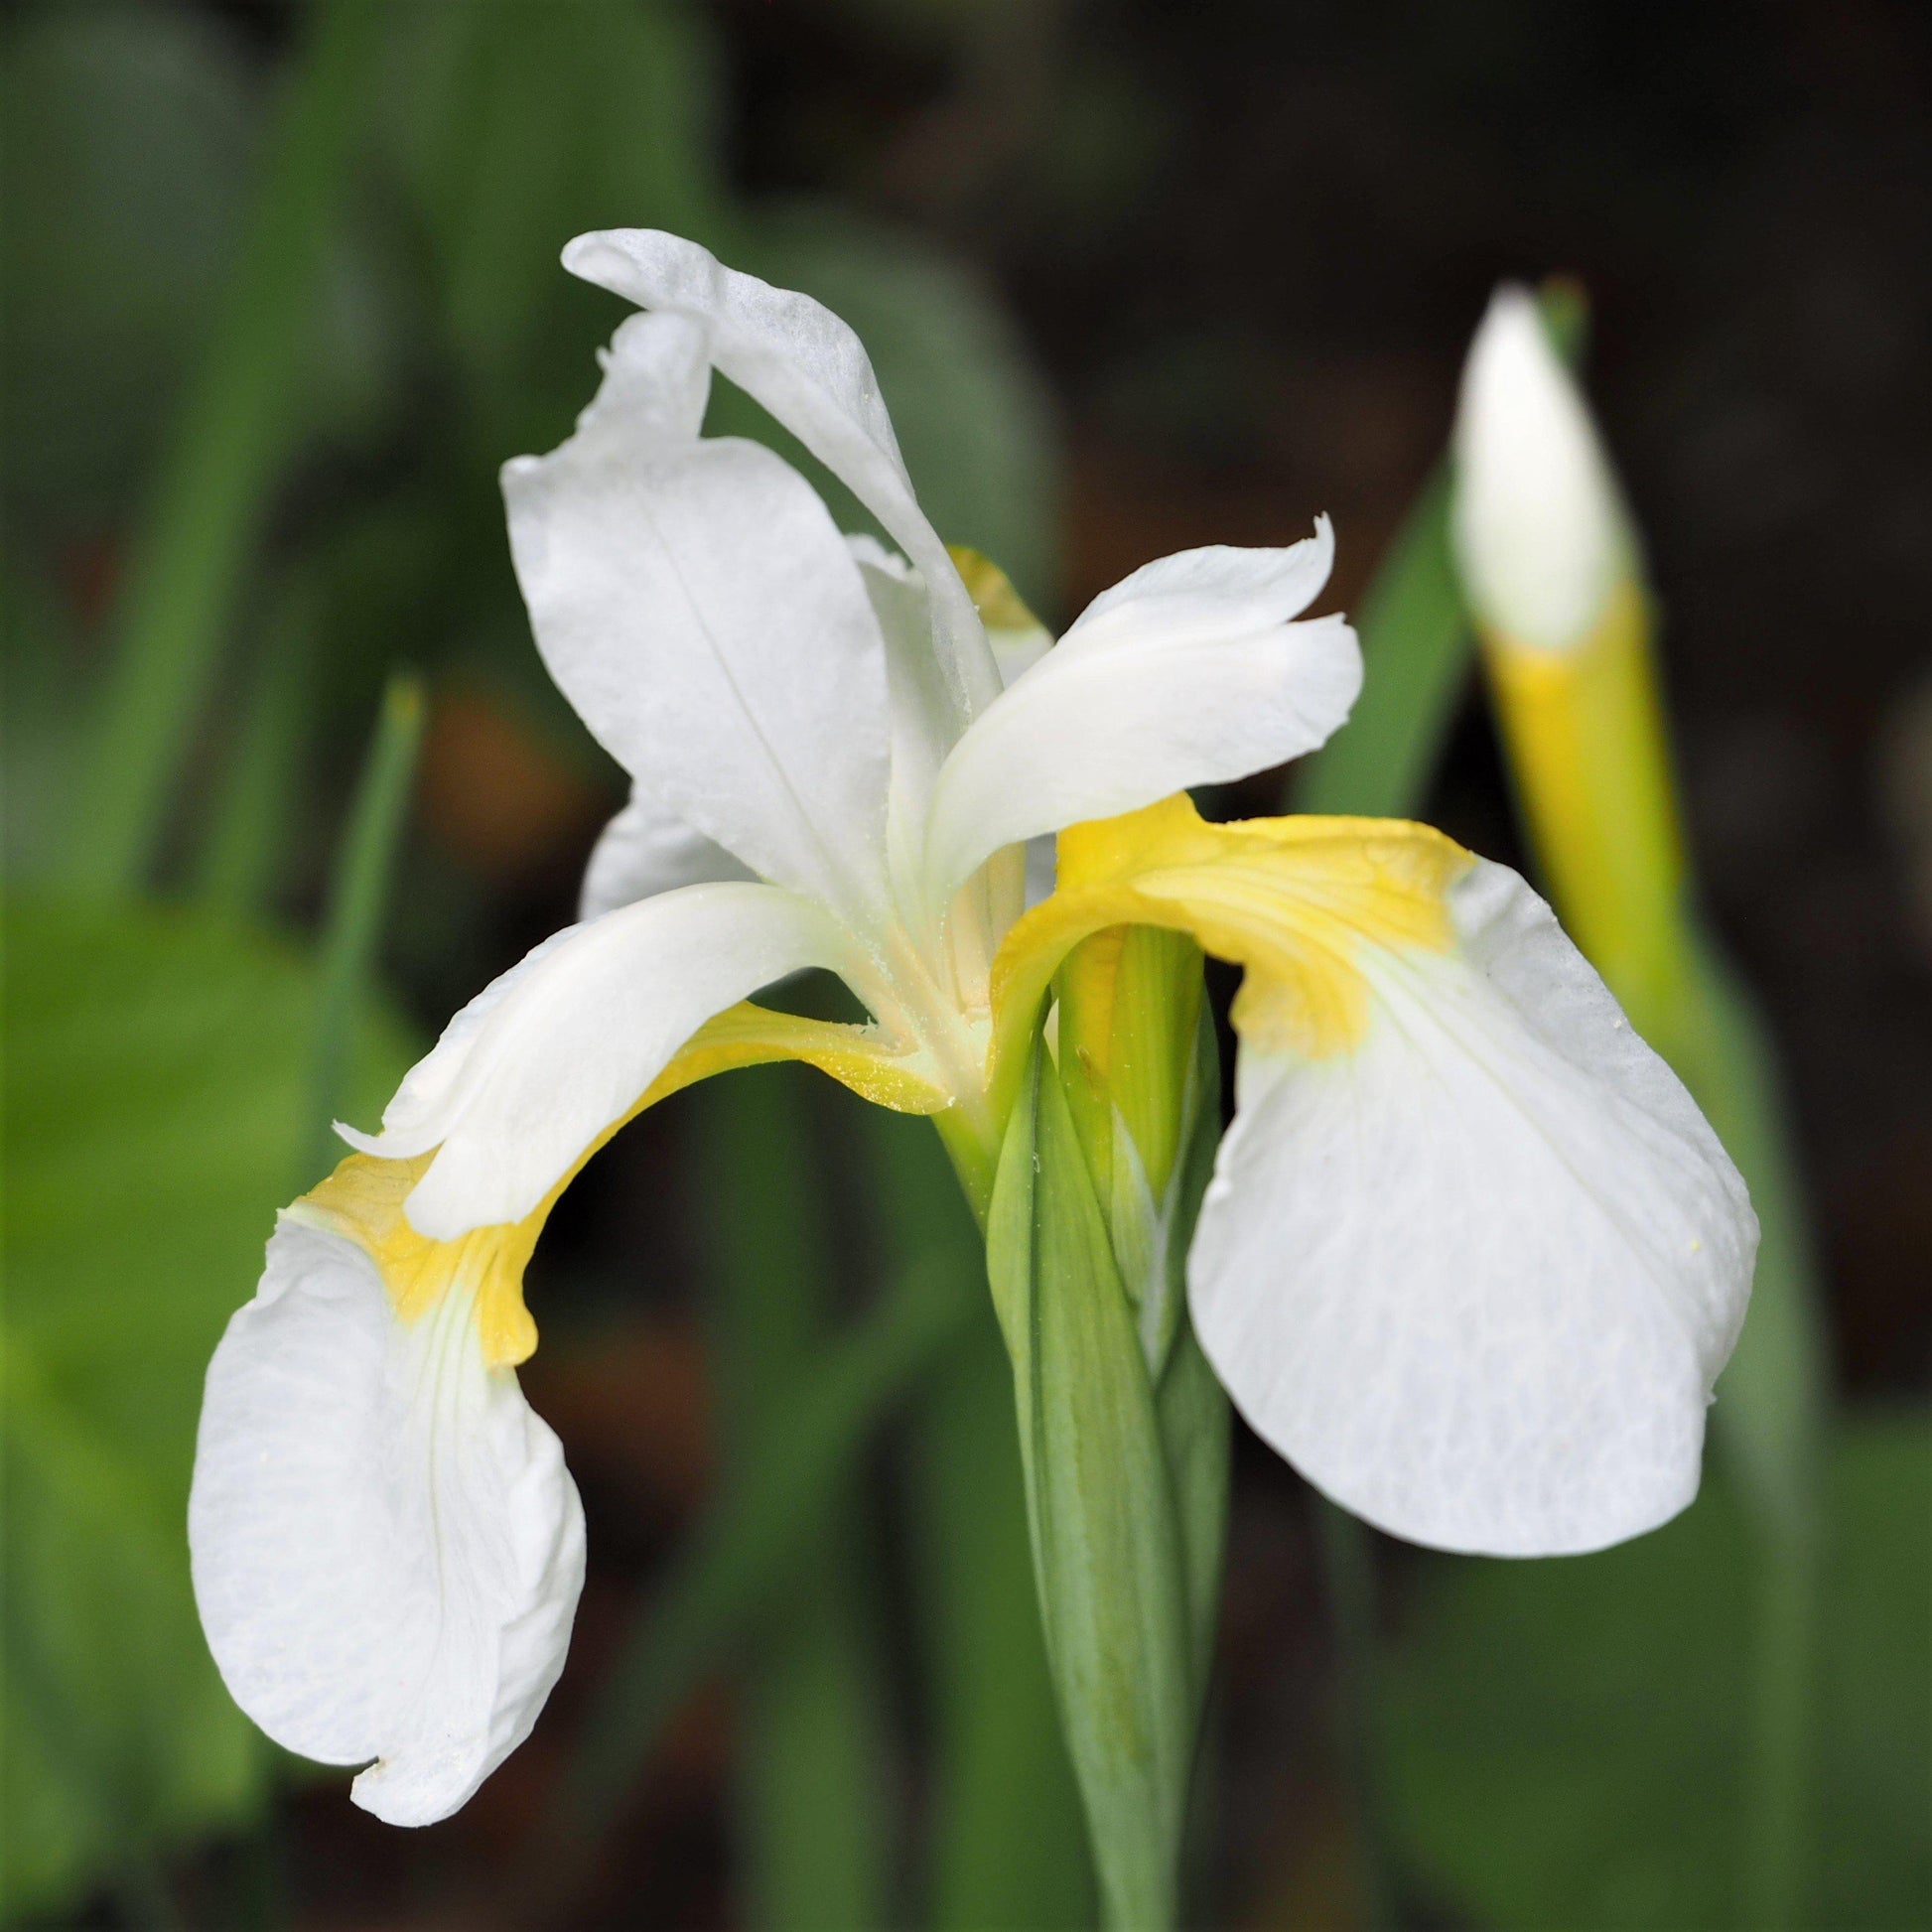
{"type": "Point", "coordinates": [1541, 537]}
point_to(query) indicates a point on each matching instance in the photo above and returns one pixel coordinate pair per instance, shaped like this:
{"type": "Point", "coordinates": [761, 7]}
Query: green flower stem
{"type": "Point", "coordinates": [358, 899]}
{"type": "Point", "coordinates": [1108, 1552]}
{"type": "Point", "coordinates": [242, 418]}
{"type": "Point", "coordinates": [813, 1747]}
{"type": "Point", "coordinates": [1005, 1842]}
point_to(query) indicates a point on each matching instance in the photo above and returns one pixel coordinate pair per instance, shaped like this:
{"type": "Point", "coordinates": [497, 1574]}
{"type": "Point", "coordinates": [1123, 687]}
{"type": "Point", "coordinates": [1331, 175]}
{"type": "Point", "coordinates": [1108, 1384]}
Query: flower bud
{"type": "Point", "coordinates": [1541, 534]}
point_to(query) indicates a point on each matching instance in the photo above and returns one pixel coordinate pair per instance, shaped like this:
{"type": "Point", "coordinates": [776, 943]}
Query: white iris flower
{"type": "Point", "coordinates": [1472, 1259]}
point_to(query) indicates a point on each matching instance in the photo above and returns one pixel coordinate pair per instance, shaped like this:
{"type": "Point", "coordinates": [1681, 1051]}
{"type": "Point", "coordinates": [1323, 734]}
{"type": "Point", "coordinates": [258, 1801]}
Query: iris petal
{"type": "Point", "coordinates": [387, 1548]}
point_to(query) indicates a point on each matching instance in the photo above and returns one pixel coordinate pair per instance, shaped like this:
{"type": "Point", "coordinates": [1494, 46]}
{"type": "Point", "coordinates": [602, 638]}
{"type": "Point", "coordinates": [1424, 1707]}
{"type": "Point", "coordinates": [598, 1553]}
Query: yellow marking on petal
{"type": "Point", "coordinates": [858, 1058]}
{"type": "Point", "coordinates": [363, 1201]}
{"type": "Point", "coordinates": [1294, 900]}
{"type": "Point", "coordinates": [363, 1198]}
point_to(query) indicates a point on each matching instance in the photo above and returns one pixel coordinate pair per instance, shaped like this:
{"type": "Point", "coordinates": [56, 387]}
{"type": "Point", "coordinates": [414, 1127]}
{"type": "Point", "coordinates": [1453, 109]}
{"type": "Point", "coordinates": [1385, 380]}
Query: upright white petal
{"type": "Point", "coordinates": [1540, 531]}
{"type": "Point", "coordinates": [696, 604]}
{"type": "Point", "coordinates": [924, 719]}
{"type": "Point", "coordinates": [541, 1063]}
{"type": "Point", "coordinates": [387, 1548]}
{"type": "Point", "coordinates": [1476, 1279]}
{"type": "Point", "coordinates": [646, 849]}
{"type": "Point", "coordinates": [1188, 672]}
{"type": "Point", "coordinates": [804, 365]}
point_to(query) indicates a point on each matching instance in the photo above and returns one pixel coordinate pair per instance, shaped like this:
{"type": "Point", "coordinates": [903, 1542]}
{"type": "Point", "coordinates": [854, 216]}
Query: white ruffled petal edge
{"type": "Point", "coordinates": [808, 369]}
{"type": "Point", "coordinates": [1476, 1279]}
{"type": "Point", "coordinates": [387, 1547]}
{"type": "Point", "coordinates": [1188, 672]}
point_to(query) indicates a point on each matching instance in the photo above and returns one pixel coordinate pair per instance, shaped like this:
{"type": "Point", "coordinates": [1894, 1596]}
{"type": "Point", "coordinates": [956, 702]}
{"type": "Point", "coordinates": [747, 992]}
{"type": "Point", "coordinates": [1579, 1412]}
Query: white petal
{"type": "Point", "coordinates": [1188, 673]}
{"type": "Point", "coordinates": [696, 604]}
{"type": "Point", "coordinates": [1540, 534]}
{"type": "Point", "coordinates": [568, 1041]}
{"type": "Point", "coordinates": [1476, 1277]}
{"type": "Point", "coordinates": [646, 849]}
{"type": "Point", "coordinates": [387, 1548]}
{"type": "Point", "coordinates": [804, 365]}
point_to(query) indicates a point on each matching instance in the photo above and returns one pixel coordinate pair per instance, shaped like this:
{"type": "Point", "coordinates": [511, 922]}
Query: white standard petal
{"type": "Point", "coordinates": [387, 1548]}
{"type": "Point", "coordinates": [646, 849]}
{"type": "Point", "coordinates": [1190, 672]}
{"type": "Point", "coordinates": [803, 364]}
{"type": "Point", "coordinates": [1541, 536]}
{"type": "Point", "coordinates": [695, 603]}
{"type": "Point", "coordinates": [1477, 1277]}
{"type": "Point", "coordinates": [541, 1063]}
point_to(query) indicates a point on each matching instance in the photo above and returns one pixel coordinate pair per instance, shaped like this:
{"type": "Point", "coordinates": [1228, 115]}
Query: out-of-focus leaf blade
{"type": "Point", "coordinates": [816, 1811]}
{"type": "Point", "coordinates": [356, 903]}
{"type": "Point", "coordinates": [237, 425]}
{"type": "Point", "coordinates": [1417, 650]}
{"type": "Point", "coordinates": [157, 1070]}
{"type": "Point", "coordinates": [805, 1452]}
{"type": "Point", "coordinates": [129, 133]}
{"type": "Point", "coordinates": [1571, 1743]}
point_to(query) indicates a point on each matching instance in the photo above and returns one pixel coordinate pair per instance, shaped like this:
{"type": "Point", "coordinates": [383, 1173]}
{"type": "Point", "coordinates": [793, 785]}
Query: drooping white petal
{"type": "Point", "coordinates": [804, 365]}
{"type": "Point", "coordinates": [696, 604]}
{"type": "Point", "coordinates": [567, 1041]}
{"type": "Point", "coordinates": [1190, 672]}
{"type": "Point", "coordinates": [645, 849]}
{"type": "Point", "coordinates": [1540, 534]}
{"type": "Point", "coordinates": [1477, 1277]}
{"type": "Point", "coordinates": [387, 1547]}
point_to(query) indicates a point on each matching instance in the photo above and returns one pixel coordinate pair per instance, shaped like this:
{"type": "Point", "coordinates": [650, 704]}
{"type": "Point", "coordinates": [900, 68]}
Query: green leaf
{"type": "Point", "coordinates": [1417, 653]}
{"type": "Point", "coordinates": [805, 1452]}
{"type": "Point", "coordinates": [129, 133]}
{"type": "Point", "coordinates": [156, 1069]}
{"type": "Point", "coordinates": [814, 1801]}
{"type": "Point", "coordinates": [516, 125]}
{"type": "Point", "coordinates": [242, 417]}
{"type": "Point", "coordinates": [1107, 1553]}
{"type": "Point", "coordinates": [1572, 1738]}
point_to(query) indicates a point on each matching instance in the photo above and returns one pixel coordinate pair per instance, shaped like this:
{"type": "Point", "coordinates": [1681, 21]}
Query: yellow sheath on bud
{"type": "Point", "coordinates": [1585, 736]}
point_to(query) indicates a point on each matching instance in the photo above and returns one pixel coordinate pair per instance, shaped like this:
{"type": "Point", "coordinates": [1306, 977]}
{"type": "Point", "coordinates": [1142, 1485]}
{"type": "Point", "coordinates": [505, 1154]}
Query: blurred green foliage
{"type": "Point", "coordinates": [1570, 1738]}
{"type": "Point", "coordinates": [155, 1103]}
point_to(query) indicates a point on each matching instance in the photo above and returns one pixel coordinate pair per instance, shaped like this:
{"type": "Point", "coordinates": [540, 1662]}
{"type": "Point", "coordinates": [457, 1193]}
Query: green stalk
{"type": "Point", "coordinates": [1005, 1842]}
{"type": "Point", "coordinates": [813, 1744]}
{"type": "Point", "coordinates": [242, 419]}
{"type": "Point", "coordinates": [358, 899]}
